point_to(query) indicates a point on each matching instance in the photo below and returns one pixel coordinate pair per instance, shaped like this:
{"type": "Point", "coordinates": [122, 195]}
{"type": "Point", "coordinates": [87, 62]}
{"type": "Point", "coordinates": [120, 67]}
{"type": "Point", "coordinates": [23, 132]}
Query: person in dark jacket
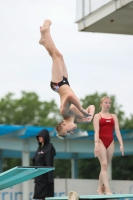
{"type": "Point", "coordinates": [44, 156]}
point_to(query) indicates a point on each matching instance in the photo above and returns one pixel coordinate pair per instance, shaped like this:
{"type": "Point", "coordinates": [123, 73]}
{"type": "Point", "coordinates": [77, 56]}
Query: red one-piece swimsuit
{"type": "Point", "coordinates": [106, 128]}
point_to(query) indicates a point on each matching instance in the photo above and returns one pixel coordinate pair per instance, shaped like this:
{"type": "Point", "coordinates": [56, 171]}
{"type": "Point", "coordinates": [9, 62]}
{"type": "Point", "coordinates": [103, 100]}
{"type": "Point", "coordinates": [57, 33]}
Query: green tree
{"type": "Point", "coordinates": [128, 123]}
{"type": "Point", "coordinates": [9, 163]}
{"type": "Point", "coordinates": [88, 168]}
{"type": "Point", "coordinates": [28, 110]}
{"type": "Point", "coordinates": [122, 167]}
{"type": "Point", "coordinates": [63, 168]}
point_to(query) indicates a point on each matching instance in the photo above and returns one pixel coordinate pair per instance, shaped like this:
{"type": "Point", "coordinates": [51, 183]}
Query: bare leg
{"type": "Point", "coordinates": [110, 152]}
{"type": "Point", "coordinates": [105, 157]}
{"type": "Point", "coordinates": [58, 68]}
{"type": "Point", "coordinates": [100, 189]}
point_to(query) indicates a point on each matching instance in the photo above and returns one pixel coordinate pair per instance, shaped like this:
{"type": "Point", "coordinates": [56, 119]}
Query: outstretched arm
{"type": "Point", "coordinates": [79, 117]}
{"type": "Point", "coordinates": [96, 136]}
{"type": "Point", "coordinates": [72, 101]}
{"type": "Point", "coordinates": [75, 101]}
{"type": "Point", "coordinates": [118, 134]}
{"type": "Point", "coordinates": [90, 110]}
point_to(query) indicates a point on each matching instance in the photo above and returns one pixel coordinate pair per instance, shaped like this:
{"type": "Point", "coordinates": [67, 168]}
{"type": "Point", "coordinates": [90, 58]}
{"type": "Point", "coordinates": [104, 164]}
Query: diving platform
{"type": "Point", "coordinates": [105, 16]}
{"type": "Point", "coordinates": [20, 174]}
{"type": "Point", "coordinates": [91, 197]}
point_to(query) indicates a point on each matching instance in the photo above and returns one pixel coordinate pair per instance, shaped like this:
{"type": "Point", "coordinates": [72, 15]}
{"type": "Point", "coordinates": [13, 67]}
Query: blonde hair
{"type": "Point", "coordinates": [102, 99]}
{"type": "Point", "coordinates": [58, 128]}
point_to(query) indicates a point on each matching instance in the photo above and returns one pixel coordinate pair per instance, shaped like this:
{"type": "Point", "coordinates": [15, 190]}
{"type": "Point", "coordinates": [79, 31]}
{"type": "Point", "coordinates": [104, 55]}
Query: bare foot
{"type": "Point", "coordinates": [108, 191]}
{"type": "Point", "coordinates": [47, 23]}
{"type": "Point", "coordinates": [43, 30]}
{"type": "Point", "coordinates": [101, 190]}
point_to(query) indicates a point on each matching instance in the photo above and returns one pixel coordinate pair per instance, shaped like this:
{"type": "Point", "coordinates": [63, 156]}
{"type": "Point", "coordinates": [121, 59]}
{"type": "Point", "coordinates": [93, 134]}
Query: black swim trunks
{"type": "Point", "coordinates": [56, 86]}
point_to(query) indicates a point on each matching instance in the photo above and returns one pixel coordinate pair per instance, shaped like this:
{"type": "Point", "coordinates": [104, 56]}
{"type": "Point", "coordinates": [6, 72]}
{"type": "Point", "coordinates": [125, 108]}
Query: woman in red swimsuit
{"type": "Point", "coordinates": [104, 125]}
{"type": "Point", "coordinates": [70, 107]}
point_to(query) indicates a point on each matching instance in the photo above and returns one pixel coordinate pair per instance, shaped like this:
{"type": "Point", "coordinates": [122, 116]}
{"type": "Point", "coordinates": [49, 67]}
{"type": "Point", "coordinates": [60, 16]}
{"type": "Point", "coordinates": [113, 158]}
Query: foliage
{"type": "Point", "coordinates": [28, 110]}
{"type": "Point", "coordinates": [122, 167]}
{"type": "Point", "coordinates": [63, 168]}
{"type": "Point", "coordinates": [128, 123]}
{"type": "Point", "coordinates": [88, 168]}
{"type": "Point", "coordinates": [8, 163]}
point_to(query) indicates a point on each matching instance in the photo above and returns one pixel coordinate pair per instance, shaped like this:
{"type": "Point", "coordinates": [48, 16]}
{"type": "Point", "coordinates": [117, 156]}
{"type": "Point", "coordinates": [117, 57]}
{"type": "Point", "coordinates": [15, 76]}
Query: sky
{"type": "Point", "coordinates": [96, 62]}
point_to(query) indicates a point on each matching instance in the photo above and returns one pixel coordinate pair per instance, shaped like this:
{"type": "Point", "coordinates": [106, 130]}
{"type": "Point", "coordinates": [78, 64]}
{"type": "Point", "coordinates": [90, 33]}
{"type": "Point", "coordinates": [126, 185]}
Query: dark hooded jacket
{"type": "Point", "coordinates": [44, 156]}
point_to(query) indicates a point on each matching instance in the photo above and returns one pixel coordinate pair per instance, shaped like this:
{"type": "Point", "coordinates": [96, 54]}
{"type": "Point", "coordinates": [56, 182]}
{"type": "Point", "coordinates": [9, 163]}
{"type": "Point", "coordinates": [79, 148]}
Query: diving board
{"type": "Point", "coordinates": [89, 197]}
{"type": "Point", "coordinates": [20, 174]}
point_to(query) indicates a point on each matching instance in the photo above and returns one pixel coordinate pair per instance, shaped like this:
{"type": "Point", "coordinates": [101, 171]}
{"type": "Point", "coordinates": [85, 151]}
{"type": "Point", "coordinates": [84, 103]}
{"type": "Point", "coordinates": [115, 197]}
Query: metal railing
{"type": "Point", "coordinates": [85, 7]}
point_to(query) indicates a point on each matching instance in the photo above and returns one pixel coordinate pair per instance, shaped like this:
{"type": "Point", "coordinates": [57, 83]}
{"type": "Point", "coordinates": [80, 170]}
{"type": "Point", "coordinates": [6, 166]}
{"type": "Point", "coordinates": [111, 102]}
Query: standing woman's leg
{"type": "Point", "coordinates": [100, 185]}
{"type": "Point", "coordinates": [58, 68]}
{"type": "Point", "coordinates": [103, 159]}
{"type": "Point", "coordinates": [110, 152]}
